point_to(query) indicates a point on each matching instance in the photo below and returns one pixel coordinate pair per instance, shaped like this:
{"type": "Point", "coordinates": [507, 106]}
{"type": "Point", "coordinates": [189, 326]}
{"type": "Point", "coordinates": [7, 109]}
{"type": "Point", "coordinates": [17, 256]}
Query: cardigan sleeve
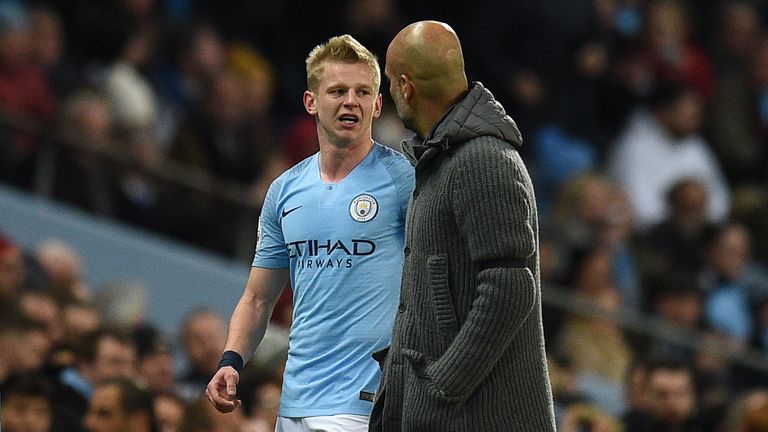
{"type": "Point", "coordinates": [494, 207]}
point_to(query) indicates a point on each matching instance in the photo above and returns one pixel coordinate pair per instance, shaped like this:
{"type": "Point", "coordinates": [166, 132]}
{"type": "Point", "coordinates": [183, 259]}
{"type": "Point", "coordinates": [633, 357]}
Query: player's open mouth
{"type": "Point", "coordinates": [349, 119]}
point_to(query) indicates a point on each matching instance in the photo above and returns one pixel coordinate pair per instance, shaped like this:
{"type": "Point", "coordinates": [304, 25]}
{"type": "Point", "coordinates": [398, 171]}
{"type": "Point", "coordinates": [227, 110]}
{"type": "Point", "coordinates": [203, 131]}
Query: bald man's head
{"type": "Point", "coordinates": [429, 53]}
{"type": "Point", "coordinates": [425, 67]}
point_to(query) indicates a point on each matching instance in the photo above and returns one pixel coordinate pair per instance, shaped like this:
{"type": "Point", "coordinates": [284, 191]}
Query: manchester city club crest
{"type": "Point", "coordinates": [363, 208]}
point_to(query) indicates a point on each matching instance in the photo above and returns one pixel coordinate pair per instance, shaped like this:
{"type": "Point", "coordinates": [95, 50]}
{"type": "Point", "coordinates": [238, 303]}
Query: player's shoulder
{"type": "Point", "coordinates": [388, 153]}
{"type": "Point", "coordinates": [289, 177]}
{"type": "Point", "coordinates": [301, 167]}
{"type": "Point", "coordinates": [394, 161]}
{"type": "Point", "coordinates": [295, 171]}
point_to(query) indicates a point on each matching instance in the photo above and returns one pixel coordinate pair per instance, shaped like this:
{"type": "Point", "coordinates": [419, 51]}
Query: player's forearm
{"type": "Point", "coordinates": [247, 326]}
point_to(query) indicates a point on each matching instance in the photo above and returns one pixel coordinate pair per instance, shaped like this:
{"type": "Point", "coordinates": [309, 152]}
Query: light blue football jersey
{"type": "Point", "coordinates": [343, 244]}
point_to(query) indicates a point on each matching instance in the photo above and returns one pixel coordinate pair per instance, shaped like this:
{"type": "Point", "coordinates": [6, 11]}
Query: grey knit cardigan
{"type": "Point", "coordinates": [467, 351]}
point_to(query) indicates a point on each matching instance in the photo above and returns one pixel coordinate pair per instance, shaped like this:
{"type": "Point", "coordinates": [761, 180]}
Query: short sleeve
{"type": "Point", "coordinates": [270, 246]}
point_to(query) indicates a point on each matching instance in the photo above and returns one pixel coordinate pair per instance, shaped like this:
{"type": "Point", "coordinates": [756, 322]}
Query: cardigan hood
{"type": "Point", "coordinates": [477, 115]}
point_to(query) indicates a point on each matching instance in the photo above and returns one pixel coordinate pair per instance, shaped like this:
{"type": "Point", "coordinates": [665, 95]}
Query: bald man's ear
{"type": "Point", "coordinates": [310, 103]}
{"type": "Point", "coordinates": [406, 87]}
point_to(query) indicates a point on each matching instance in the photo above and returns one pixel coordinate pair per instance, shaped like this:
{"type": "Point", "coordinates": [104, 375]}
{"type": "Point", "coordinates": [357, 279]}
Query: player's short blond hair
{"type": "Point", "coordinates": [344, 49]}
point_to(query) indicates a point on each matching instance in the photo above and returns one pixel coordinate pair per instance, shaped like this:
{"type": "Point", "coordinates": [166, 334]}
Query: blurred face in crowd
{"type": "Point", "coordinates": [596, 274]}
{"type": "Point", "coordinates": [204, 340]}
{"type": "Point", "coordinates": [25, 413]}
{"type": "Point", "coordinates": [24, 349]}
{"type": "Point", "coordinates": [114, 359]}
{"type": "Point", "coordinates": [730, 253]}
{"type": "Point", "coordinates": [688, 203]}
{"type": "Point", "coordinates": [158, 371]}
{"type": "Point", "coordinates": [14, 48]}
{"type": "Point", "coordinates": [683, 117]}
{"type": "Point", "coordinates": [169, 412]}
{"type": "Point", "coordinates": [344, 103]}
{"type": "Point", "coordinates": [47, 37]}
{"type": "Point", "coordinates": [79, 320]}
{"type": "Point", "coordinates": [226, 100]}
{"type": "Point", "coordinates": [667, 24]}
{"type": "Point", "coordinates": [42, 309]}
{"type": "Point", "coordinates": [11, 272]}
{"type": "Point", "coordinates": [205, 53]}
{"type": "Point", "coordinates": [740, 27]}
{"type": "Point", "coordinates": [105, 412]}
{"type": "Point", "coordinates": [682, 309]}
{"type": "Point", "coordinates": [671, 395]}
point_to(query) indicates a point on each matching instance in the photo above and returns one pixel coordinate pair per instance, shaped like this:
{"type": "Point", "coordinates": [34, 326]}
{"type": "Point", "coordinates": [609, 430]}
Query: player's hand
{"type": "Point", "coordinates": [222, 390]}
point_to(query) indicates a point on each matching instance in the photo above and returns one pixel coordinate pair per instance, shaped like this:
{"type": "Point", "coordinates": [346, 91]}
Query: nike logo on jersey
{"type": "Point", "coordinates": [287, 212]}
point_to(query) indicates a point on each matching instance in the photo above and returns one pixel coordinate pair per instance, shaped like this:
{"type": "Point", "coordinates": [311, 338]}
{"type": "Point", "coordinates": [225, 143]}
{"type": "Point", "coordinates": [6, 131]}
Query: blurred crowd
{"type": "Point", "coordinates": [646, 131]}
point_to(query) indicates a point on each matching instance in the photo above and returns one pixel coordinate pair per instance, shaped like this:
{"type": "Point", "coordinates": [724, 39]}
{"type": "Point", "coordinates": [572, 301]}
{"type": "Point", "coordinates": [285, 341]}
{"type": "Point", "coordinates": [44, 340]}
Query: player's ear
{"type": "Point", "coordinates": [377, 106]}
{"type": "Point", "coordinates": [310, 103]}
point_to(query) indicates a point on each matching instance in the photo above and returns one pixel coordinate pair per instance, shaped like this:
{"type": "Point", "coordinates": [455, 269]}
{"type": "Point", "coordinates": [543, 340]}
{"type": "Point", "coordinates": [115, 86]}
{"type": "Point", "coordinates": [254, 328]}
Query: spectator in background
{"type": "Point", "coordinates": [62, 267]}
{"type": "Point", "coordinates": [12, 275]}
{"type": "Point", "coordinates": [25, 95]}
{"type": "Point", "coordinates": [169, 411]}
{"type": "Point", "coordinates": [670, 50]}
{"type": "Point", "coordinates": [26, 404]}
{"type": "Point", "coordinates": [201, 416]}
{"type": "Point", "coordinates": [138, 120]}
{"type": "Point", "coordinates": [677, 243]}
{"type": "Point", "coordinates": [79, 319]}
{"type": "Point", "coordinates": [87, 121]}
{"type": "Point", "coordinates": [155, 363]}
{"type": "Point", "coordinates": [676, 299]}
{"type": "Point", "coordinates": [220, 137]}
{"type": "Point", "coordinates": [119, 404]}
{"type": "Point", "coordinates": [755, 418]}
{"type": "Point", "coordinates": [204, 335]}
{"type": "Point", "coordinates": [742, 410]}
{"type": "Point", "coordinates": [583, 417]}
{"type": "Point", "coordinates": [131, 97]}
{"type": "Point", "coordinates": [662, 146]}
{"type": "Point", "coordinates": [122, 304]}
{"type": "Point", "coordinates": [106, 354]}
{"type": "Point", "coordinates": [596, 346]}
{"type": "Point", "coordinates": [671, 402]}
{"type": "Point", "coordinates": [591, 212]}
{"type": "Point", "coordinates": [735, 121]}
{"type": "Point", "coordinates": [196, 53]}
{"type": "Point", "coordinates": [636, 389]}
{"type": "Point", "coordinates": [735, 285]}
{"type": "Point", "coordinates": [24, 346]}
{"type": "Point", "coordinates": [257, 76]}
{"type": "Point", "coordinates": [41, 308]}
{"type": "Point", "coordinates": [48, 46]}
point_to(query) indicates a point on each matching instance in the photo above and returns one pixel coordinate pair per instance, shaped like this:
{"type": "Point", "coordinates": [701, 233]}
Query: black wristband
{"type": "Point", "coordinates": [231, 358]}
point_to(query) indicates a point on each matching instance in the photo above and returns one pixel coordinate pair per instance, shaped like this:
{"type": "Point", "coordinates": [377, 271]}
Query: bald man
{"type": "Point", "coordinates": [467, 351]}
